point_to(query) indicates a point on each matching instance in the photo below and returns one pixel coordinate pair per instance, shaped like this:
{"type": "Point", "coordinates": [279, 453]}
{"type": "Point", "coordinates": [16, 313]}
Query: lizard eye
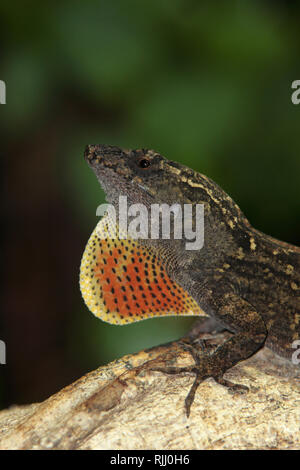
{"type": "Point", "coordinates": [144, 163]}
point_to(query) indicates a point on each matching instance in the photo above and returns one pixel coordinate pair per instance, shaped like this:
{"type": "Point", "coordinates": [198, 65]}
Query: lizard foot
{"type": "Point", "coordinates": [202, 371]}
{"type": "Point", "coordinates": [232, 387]}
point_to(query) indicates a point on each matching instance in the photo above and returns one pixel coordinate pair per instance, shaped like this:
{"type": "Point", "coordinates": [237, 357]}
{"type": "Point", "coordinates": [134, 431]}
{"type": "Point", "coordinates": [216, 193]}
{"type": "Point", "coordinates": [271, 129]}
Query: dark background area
{"type": "Point", "coordinates": [203, 83]}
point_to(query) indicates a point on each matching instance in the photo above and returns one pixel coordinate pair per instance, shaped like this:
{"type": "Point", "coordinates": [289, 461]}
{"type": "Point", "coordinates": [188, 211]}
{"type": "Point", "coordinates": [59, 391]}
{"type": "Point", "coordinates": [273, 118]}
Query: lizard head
{"type": "Point", "coordinates": [144, 176]}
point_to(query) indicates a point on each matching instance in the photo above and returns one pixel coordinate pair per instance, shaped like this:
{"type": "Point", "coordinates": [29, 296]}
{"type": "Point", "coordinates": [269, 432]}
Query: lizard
{"type": "Point", "coordinates": [245, 280]}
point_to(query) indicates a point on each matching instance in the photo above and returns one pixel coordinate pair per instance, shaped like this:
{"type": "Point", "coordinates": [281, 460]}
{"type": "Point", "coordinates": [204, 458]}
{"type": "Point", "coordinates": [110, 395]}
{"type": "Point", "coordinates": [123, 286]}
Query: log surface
{"type": "Point", "coordinates": [125, 406]}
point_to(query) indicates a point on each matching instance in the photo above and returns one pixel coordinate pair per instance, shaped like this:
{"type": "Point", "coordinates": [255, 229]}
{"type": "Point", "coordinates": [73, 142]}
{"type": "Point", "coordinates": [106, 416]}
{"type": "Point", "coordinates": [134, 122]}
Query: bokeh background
{"type": "Point", "coordinates": [204, 83]}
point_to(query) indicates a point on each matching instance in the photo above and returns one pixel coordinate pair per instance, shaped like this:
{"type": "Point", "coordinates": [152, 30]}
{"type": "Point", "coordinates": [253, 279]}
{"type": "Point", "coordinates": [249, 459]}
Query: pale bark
{"type": "Point", "coordinates": [124, 406]}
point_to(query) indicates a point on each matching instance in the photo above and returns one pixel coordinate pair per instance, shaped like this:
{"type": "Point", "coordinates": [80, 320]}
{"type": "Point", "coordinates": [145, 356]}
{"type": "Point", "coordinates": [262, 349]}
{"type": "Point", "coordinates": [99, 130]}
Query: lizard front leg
{"type": "Point", "coordinates": [240, 317]}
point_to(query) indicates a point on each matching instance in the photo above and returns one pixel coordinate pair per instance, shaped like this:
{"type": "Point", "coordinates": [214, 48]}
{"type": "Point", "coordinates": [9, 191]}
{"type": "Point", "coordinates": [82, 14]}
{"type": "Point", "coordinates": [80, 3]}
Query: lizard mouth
{"type": "Point", "coordinates": [101, 153]}
{"type": "Point", "coordinates": [111, 167]}
{"type": "Point", "coordinates": [108, 156]}
{"type": "Point", "coordinates": [107, 160]}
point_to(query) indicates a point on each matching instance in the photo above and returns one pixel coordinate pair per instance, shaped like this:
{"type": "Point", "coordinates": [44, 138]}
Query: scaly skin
{"type": "Point", "coordinates": [246, 280]}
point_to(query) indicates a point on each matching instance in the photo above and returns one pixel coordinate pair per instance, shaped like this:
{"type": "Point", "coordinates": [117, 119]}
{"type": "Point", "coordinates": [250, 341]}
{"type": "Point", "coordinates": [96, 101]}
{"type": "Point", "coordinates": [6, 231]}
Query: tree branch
{"type": "Point", "coordinates": [124, 405]}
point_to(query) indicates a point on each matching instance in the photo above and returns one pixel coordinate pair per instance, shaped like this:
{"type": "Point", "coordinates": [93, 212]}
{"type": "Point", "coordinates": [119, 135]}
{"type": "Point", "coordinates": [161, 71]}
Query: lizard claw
{"type": "Point", "coordinates": [232, 387]}
{"type": "Point", "coordinates": [191, 395]}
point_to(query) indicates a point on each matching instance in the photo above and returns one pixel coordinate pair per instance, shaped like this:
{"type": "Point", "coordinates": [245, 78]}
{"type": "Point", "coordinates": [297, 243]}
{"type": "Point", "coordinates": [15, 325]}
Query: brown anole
{"type": "Point", "coordinates": [247, 281]}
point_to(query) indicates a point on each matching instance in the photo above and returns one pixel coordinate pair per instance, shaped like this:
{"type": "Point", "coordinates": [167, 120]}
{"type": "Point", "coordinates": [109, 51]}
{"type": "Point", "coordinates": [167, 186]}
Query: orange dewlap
{"type": "Point", "coordinates": [121, 281]}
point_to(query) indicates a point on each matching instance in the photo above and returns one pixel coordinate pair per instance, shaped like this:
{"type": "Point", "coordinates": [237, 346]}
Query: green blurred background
{"type": "Point", "coordinates": [203, 83]}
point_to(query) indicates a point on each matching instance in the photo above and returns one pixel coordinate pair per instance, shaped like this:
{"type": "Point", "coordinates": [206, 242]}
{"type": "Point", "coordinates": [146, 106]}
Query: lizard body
{"type": "Point", "coordinates": [248, 281]}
